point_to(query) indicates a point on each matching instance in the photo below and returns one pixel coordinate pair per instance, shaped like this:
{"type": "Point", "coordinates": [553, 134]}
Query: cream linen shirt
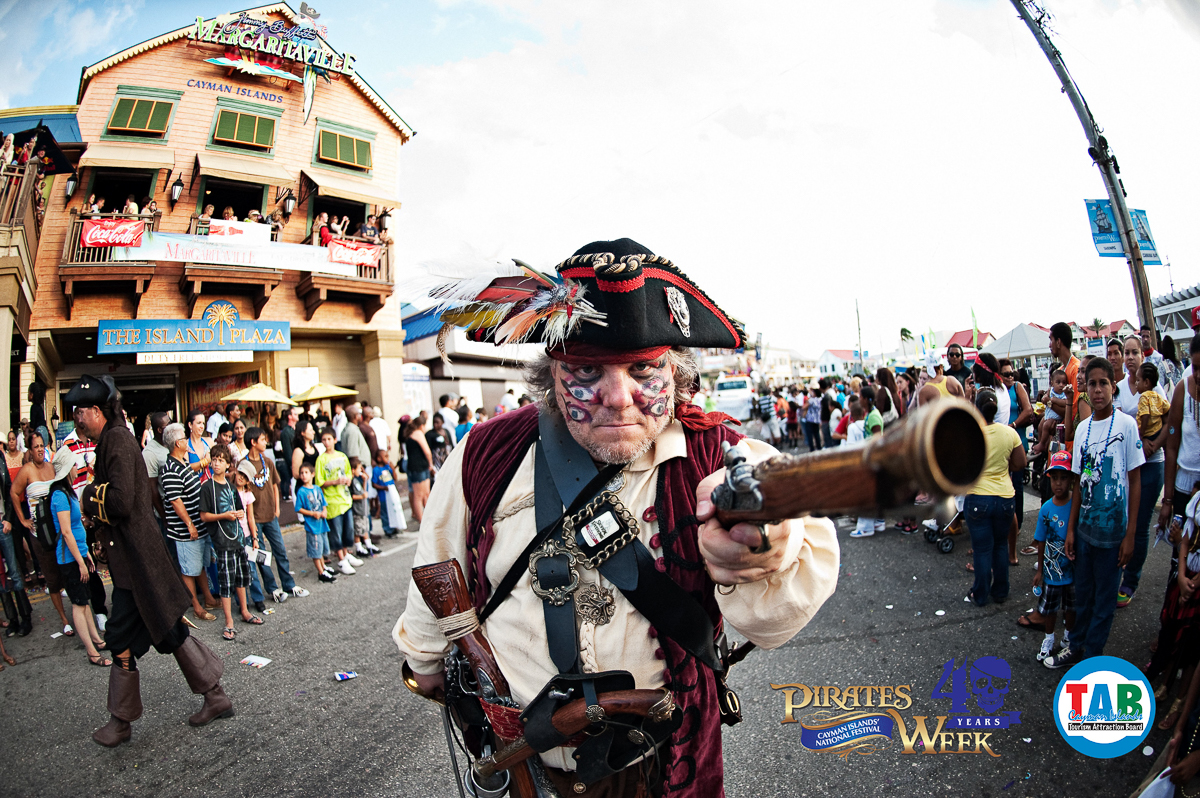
{"type": "Point", "coordinates": [768, 612]}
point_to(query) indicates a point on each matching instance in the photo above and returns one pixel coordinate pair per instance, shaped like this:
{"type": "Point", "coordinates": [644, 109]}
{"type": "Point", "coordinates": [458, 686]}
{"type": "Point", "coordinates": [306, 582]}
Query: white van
{"type": "Point", "coordinates": [735, 396]}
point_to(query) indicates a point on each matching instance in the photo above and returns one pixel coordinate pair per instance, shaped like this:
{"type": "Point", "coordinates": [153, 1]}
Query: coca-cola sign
{"type": "Point", "coordinates": [112, 232]}
{"type": "Point", "coordinates": [357, 253]}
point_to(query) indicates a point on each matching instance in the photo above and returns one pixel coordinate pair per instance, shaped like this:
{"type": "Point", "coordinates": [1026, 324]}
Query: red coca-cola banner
{"type": "Point", "coordinates": [112, 232]}
{"type": "Point", "coordinates": [358, 253]}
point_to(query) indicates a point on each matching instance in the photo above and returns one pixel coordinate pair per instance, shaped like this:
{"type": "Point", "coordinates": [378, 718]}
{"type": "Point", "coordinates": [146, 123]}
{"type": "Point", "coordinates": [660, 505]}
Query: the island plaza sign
{"type": "Point", "coordinates": [219, 329]}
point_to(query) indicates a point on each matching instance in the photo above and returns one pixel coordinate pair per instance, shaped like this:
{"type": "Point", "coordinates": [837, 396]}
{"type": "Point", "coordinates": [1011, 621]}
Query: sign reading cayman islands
{"type": "Point", "coordinates": [219, 328]}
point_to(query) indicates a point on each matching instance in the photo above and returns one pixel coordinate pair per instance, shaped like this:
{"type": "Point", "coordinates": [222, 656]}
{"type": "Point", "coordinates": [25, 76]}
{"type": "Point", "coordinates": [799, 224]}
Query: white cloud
{"type": "Point", "coordinates": [794, 156]}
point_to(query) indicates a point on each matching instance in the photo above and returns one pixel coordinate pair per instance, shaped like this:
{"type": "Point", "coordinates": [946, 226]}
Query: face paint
{"type": "Point", "coordinates": [652, 394]}
{"type": "Point", "coordinates": [578, 393]}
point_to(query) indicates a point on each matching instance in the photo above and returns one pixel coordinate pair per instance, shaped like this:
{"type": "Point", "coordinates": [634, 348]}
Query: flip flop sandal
{"type": "Point", "coordinates": [253, 620]}
{"type": "Point", "coordinates": [207, 616]}
{"type": "Point", "coordinates": [9, 660]}
{"type": "Point", "coordinates": [1025, 622]}
{"type": "Point", "coordinates": [229, 633]}
{"type": "Point", "coordinates": [103, 663]}
{"type": "Point", "coordinates": [1029, 551]}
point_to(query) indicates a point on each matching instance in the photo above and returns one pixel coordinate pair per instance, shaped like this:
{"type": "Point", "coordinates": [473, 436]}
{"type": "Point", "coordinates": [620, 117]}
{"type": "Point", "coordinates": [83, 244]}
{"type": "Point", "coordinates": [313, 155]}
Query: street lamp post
{"type": "Point", "coordinates": [1103, 158]}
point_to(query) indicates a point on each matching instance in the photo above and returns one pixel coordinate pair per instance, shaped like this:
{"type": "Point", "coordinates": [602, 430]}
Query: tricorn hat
{"type": "Point", "coordinates": [610, 299]}
{"type": "Point", "coordinates": [90, 392]}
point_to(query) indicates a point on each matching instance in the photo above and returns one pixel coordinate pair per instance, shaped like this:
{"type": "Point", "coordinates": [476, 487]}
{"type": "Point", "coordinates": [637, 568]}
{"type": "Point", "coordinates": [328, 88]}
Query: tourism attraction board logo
{"type": "Point", "coordinates": [1104, 707]}
{"type": "Point", "coordinates": [864, 719]}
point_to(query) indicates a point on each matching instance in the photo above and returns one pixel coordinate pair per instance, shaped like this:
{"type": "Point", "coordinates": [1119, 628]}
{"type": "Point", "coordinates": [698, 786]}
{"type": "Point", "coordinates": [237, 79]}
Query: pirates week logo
{"type": "Point", "coordinates": [864, 719]}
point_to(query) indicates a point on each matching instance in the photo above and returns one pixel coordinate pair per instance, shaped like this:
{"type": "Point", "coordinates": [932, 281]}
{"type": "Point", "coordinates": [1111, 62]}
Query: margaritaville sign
{"type": "Point", "coordinates": [278, 38]}
{"type": "Point", "coordinates": [219, 329]}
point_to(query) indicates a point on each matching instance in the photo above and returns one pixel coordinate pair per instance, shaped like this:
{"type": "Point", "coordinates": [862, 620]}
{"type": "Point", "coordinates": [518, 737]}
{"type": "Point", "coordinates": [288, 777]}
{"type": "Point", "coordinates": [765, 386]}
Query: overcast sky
{"type": "Point", "coordinates": [791, 157]}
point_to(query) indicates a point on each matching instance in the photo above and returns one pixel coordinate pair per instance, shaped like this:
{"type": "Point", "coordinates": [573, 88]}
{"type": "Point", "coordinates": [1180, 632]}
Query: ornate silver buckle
{"type": "Point", "coordinates": [591, 512]}
{"type": "Point", "coordinates": [557, 596]}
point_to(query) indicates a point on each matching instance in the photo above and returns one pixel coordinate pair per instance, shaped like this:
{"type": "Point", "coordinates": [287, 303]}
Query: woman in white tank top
{"type": "Point", "coordinates": [1182, 447]}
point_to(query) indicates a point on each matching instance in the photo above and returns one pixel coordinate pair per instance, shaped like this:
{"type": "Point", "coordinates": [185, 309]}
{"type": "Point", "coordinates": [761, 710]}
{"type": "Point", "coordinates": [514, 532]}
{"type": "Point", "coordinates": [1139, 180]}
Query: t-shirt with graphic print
{"type": "Point", "coordinates": [1057, 569]}
{"type": "Point", "coordinates": [1105, 452]}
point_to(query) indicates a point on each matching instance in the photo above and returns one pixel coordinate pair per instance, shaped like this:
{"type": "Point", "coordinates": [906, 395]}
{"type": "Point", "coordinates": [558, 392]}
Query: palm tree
{"type": "Point", "coordinates": [905, 335]}
{"type": "Point", "coordinates": [218, 315]}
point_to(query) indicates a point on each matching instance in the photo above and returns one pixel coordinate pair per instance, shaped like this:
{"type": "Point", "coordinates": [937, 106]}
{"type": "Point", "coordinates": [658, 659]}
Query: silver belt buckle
{"type": "Point", "coordinates": [560, 595]}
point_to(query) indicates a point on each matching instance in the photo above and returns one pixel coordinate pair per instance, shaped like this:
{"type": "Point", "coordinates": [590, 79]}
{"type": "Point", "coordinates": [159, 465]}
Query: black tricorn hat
{"type": "Point", "coordinates": [624, 297]}
{"type": "Point", "coordinates": [90, 392]}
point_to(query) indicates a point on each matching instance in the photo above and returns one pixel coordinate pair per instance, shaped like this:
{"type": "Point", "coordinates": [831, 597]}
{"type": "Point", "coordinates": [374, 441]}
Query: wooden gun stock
{"type": "Point", "coordinates": [572, 719]}
{"type": "Point", "coordinates": [444, 589]}
{"type": "Point", "coordinates": [938, 449]}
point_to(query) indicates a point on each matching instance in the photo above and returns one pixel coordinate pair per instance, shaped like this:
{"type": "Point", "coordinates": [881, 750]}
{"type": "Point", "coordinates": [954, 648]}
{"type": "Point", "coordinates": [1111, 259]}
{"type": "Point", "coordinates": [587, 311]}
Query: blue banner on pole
{"type": "Point", "coordinates": [1107, 236]}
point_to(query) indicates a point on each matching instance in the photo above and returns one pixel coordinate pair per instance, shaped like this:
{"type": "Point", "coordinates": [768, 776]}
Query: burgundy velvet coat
{"type": "Point", "coordinates": [694, 763]}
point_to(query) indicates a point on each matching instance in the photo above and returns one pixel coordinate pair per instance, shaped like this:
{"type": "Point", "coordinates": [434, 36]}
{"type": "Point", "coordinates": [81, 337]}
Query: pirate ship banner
{"type": "Point", "coordinates": [219, 328]}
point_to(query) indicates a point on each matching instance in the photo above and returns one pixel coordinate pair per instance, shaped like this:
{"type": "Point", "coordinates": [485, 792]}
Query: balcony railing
{"type": "Point", "coordinates": [19, 217]}
{"type": "Point", "coordinates": [76, 254]}
{"type": "Point", "coordinates": [380, 272]}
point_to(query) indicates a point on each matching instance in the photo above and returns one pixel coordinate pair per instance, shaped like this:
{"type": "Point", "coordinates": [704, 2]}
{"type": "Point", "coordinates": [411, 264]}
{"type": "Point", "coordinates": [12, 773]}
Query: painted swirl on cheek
{"type": "Point", "coordinates": [576, 396]}
{"type": "Point", "coordinates": [652, 395]}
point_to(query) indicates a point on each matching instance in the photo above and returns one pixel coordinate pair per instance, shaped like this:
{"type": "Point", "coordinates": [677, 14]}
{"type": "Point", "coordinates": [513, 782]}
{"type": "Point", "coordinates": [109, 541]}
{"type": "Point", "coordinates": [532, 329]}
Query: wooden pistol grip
{"type": "Point", "coordinates": [444, 589]}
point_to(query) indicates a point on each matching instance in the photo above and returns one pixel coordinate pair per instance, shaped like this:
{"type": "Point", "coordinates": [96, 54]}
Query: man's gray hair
{"type": "Point", "coordinates": [172, 434]}
{"type": "Point", "coordinates": [539, 376]}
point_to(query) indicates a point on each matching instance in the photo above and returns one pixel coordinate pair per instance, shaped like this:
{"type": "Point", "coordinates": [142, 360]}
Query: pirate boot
{"type": "Point", "coordinates": [202, 669]}
{"type": "Point", "coordinates": [124, 705]}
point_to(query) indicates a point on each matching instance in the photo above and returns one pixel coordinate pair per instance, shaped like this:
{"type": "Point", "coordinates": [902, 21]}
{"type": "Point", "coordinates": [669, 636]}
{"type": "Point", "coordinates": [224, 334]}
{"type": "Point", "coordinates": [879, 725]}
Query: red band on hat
{"type": "Point", "coordinates": [592, 355]}
{"type": "Point", "coordinates": [622, 286]}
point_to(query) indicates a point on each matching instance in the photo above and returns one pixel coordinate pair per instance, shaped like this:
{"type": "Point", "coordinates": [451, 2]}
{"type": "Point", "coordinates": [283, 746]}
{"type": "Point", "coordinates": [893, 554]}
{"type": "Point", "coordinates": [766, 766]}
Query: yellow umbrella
{"type": "Point", "coordinates": [258, 392]}
{"type": "Point", "coordinates": [322, 390]}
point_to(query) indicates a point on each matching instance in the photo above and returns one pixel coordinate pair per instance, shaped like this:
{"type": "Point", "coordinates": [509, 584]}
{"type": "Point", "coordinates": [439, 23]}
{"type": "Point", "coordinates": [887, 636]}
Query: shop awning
{"type": "Point", "coordinates": [128, 156]}
{"type": "Point", "coordinates": [250, 170]}
{"type": "Point", "coordinates": [346, 188]}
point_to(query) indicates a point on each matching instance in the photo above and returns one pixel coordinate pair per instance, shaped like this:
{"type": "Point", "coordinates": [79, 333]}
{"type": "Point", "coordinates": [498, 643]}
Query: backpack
{"type": "Point", "coordinates": [44, 524]}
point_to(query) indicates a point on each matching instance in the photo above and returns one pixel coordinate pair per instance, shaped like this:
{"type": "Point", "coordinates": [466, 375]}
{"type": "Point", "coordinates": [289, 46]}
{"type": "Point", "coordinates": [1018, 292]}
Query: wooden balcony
{"type": "Point", "coordinates": [20, 234]}
{"type": "Point", "coordinates": [370, 287]}
{"type": "Point", "coordinates": [92, 270]}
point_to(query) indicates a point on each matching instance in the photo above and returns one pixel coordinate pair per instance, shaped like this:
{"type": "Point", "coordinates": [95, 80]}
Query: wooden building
{"type": "Point", "coordinates": [253, 111]}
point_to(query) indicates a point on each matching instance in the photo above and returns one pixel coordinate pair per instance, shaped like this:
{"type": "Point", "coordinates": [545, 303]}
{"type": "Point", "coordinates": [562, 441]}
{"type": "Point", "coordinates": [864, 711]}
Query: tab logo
{"type": "Point", "coordinates": [1104, 707]}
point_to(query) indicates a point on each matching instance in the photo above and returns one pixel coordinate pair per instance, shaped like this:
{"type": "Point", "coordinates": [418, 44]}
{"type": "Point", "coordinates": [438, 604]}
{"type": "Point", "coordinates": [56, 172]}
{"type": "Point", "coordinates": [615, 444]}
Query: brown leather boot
{"type": "Point", "coordinates": [124, 705]}
{"type": "Point", "coordinates": [202, 669]}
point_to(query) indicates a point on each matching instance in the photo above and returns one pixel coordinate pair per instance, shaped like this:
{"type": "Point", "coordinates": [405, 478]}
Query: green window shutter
{"type": "Point", "coordinates": [141, 114]}
{"type": "Point", "coordinates": [346, 149]}
{"type": "Point", "coordinates": [266, 132]}
{"type": "Point", "coordinates": [120, 117]}
{"type": "Point", "coordinates": [363, 153]}
{"type": "Point", "coordinates": [160, 117]}
{"type": "Point", "coordinates": [245, 128]}
{"type": "Point", "coordinates": [226, 126]}
{"type": "Point", "coordinates": [328, 148]}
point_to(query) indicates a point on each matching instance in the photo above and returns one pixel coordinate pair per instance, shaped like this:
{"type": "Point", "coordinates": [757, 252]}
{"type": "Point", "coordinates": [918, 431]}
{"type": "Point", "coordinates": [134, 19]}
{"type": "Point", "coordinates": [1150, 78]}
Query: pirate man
{"type": "Point", "coordinates": [651, 575]}
{"type": "Point", "coordinates": [148, 598]}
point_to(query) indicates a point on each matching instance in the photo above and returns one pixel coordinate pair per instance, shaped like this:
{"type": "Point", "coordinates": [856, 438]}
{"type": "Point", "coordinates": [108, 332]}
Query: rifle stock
{"type": "Point", "coordinates": [938, 449]}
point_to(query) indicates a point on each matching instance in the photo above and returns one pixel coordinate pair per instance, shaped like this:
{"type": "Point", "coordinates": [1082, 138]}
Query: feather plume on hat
{"type": "Point", "coordinates": [509, 302]}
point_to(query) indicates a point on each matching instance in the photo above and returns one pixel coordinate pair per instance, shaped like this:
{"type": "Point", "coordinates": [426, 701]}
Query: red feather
{"type": "Point", "coordinates": [504, 290]}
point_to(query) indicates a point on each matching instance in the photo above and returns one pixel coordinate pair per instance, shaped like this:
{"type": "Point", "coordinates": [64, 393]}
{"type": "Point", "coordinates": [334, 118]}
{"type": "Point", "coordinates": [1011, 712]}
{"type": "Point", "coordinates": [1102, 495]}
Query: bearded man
{"type": "Point", "coordinates": [613, 409]}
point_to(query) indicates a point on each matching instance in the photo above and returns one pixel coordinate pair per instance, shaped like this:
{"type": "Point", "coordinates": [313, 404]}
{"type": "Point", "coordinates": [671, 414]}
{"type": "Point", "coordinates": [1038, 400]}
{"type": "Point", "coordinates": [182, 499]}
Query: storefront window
{"type": "Point", "coordinates": [140, 117]}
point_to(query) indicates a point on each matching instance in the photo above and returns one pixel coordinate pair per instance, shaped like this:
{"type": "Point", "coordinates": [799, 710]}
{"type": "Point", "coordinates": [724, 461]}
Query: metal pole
{"type": "Point", "coordinates": [858, 317]}
{"type": "Point", "coordinates": [1104, 160]}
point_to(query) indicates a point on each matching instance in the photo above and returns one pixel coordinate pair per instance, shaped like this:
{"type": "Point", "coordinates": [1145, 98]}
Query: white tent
{"type": "Point", "coordinates": [1024, 340]}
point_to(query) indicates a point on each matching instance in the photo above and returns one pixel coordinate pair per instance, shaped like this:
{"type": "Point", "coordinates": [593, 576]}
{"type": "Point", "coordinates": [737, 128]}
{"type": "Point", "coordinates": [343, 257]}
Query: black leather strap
{"type": "Point", "coordinates": [544, 485]}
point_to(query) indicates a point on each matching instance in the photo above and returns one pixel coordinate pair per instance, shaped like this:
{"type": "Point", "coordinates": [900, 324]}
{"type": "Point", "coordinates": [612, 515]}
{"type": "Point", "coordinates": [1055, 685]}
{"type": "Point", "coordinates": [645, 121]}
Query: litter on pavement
{"type": "Point", "coordinates": [256, 661]}
{"type": "Point", "coordinates": [342, 676]}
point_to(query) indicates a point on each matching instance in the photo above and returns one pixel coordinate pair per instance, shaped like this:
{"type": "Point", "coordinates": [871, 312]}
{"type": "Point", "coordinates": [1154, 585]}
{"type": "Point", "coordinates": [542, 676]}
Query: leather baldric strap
{"type": "Point", "coordinates": [672, 610]}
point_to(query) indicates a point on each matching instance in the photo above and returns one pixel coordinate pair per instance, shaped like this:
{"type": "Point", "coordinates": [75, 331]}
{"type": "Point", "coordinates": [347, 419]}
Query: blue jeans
{"type": "Point", "coordinates": [1152, 485]}
{"type": "Point", "coordinates": [255, 591]}
{"type": "Point", "coordinates": [9, 549]}
{"type": "Point", "coordinates": [269, 531]}
{"type": "Point", "coordinates": [988, 520]}
{"type": "Point", "coordinates": [341, 531]}
{"type": "Point", "coordinates": [1096, 579]}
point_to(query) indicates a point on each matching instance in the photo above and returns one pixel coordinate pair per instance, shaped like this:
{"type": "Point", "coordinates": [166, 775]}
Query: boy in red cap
{"type": "Point", "coordinates": [1054, 569]}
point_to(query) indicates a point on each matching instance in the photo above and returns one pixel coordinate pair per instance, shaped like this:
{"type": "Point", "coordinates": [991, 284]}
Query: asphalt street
{"type": "Point", "coordinates": [298, 732]}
